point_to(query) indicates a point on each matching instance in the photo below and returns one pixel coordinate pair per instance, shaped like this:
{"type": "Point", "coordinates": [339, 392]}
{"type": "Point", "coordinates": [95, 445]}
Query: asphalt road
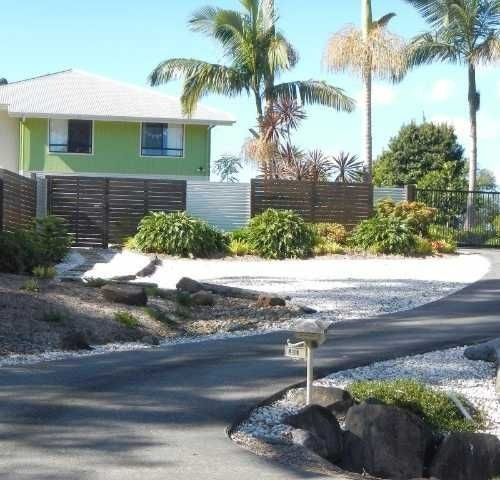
{"type": "Point", "coordinates": [162, 414]}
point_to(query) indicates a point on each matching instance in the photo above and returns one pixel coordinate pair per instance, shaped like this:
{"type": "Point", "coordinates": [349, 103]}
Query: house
{"type": "Point", "coordinates": [74, 122]}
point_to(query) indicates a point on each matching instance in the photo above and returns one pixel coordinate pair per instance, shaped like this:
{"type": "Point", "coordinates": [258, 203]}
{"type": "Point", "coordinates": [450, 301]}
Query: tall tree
{"type": "Point", "coordinates": [368, 52]}
{"type": "Point", "coordinates": [257, 53]}
{"type": "Point", "coordinates": [465, 32]}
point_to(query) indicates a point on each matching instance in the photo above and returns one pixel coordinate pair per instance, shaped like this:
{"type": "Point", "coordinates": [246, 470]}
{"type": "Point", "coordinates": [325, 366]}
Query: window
{"type": "Point", "coordinates": [70, 136]}
{"type": "Point", "coordinates": [162, 140]}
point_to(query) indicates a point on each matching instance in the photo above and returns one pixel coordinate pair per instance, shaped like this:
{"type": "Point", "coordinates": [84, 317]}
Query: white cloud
{"type": "Point", "coordinates": [488, 126]}
{"type": "Point", "coordinates": [443, 90]}
{"type": "Point", "coordinates": [382, 95]}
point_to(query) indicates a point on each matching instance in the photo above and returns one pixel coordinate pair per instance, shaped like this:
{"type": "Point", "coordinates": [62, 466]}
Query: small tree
{"type": "Point", "coordinates": [428, 155]}
{"type": "Point", "coordinates": [228, 167]}
{"type": "Point", "coordinates": [348, 168]}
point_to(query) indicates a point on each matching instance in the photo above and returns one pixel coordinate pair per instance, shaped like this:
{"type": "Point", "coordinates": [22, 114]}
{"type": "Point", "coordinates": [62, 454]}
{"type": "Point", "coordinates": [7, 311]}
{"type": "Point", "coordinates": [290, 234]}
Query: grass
{"type": "Point", "coordinates": [31, 285]}
{"type": "Point", "coordinates": [126, 319]}
{"type": "Point", "coordinates": [45, 272]}
{"type": "Point", "coordinates": [433, 406]}
{"type": "Point", "coordinates": [159, 315]}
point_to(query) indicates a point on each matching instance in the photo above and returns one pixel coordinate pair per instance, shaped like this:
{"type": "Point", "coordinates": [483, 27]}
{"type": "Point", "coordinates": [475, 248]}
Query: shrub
{"type": "Point", "coordinates": [437, 232]}
{"type": "Point", "coordinates": [44, 272]}
{"type": "Point", "coordinates": [423, 247]}
{"type": "Point", "coordinates": [389, 235]}
{"type": "Point", "coordinates": [241, 234]}
{"type": "Point", "coordinates": [126, 319]}
{"type": "Point", "coordinates": [178, 234]}
{"type": "Point", "coordinates": [53, 240]}
{"type": "Point", "coordinates": [280, 234]}
{"type": "Point", "coordinates": [332, 232]}
{"type": "Point", "coordinates": [239, 248]}
{"type": "Point", "coordinates": [443, 246]}
{"type": "Point", "coordinates": [130, 243]}
{"type": "Point", "coordinates": [417, 215]}
{"type": "Point", "coordinates": [433, 406]}
{"type": "Point", "coordinates": [12, 258]}
{"type": "Point", "coordinates": [326, 247]}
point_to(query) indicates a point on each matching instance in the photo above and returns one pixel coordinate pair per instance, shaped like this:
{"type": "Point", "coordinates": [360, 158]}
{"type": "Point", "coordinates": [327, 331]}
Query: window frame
{"type": "Point", "coordinates": [183, 125]}
{"type": "Point", "coordinates": [92, 150]}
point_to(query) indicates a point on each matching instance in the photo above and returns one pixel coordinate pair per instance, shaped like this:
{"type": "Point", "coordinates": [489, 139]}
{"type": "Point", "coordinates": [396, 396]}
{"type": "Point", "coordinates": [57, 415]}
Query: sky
{"type": "Point", "coordinates": [125, 40]}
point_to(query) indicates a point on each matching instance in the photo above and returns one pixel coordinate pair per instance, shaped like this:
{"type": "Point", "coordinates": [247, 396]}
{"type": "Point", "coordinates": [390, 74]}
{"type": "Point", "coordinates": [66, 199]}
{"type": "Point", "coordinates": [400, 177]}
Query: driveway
{"type": "Point", "coordinates": [162, 414]}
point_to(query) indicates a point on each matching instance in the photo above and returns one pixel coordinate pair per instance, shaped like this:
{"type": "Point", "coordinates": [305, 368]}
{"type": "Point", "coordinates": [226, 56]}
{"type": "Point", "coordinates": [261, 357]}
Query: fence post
{"type": "Point", "coordinates": [41, 196]}
{"type": "Point", "coordinates": [105, 226]}
{"type": "Point", "coordinates": [411, 193]}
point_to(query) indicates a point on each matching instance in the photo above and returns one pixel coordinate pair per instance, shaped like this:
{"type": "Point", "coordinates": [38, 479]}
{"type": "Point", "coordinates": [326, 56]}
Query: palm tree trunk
{"type": "Point", "coordinates": [367, 124]}
{"type": "Point", "coordinates": [473, 109]}
{"type": "Point", "coordinates": [366, 21]}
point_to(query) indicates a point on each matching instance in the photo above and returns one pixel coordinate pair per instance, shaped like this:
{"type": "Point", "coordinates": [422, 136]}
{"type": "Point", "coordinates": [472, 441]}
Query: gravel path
{"type": "Point", "coordinates": [446, 370]}
{"type": "Point", "coordinates": [340, 288]}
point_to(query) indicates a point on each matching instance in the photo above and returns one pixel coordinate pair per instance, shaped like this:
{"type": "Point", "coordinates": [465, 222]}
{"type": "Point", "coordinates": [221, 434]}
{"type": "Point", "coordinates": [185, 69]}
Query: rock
{"type": "Point", "coordinates": [123, 279]}
{"type": "Point", "coordinates": [467, 456]}
{"type": "Point", "coordinates": [386, 442]}
{"type": "Point", "coordinates": [189, 285]}
{"type": "Point", "coordinates": [307, 310]}
{"type": "Point", "coordinates": [487, 352]}
{"type": "Point", "coordinates": [338, 401]}
{"type": "Point", "coordinates": [266, 301]}
{"type": "Point", "coordinates": [75, 341]}
{"type": "Point", "coordinates": [150, 340]}
{"type": "Point", "coordinates": [125, 294]}
{"type": "Point", "coordinates": [203, 298]}
{"type": "Point", "coordinates": [149, 269]}
{"type": "Point", "coordinates": [308, 440]}
{"type": "Point", "coordinates": [321, 423]}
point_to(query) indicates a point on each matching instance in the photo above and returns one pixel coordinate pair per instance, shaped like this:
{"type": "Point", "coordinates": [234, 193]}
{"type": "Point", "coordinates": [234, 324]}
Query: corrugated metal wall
{"type": "Point", "coordinates": [397, 194]}
{"type": "Point", "coordinates": [225, 205]}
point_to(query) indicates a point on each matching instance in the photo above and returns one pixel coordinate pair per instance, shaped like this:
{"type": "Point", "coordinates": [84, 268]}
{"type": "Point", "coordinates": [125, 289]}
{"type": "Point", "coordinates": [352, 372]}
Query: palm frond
{"type": "Point", "coordinates": [313, 92]}
{"type": "Point", "coordinates": [428, 48]}
{"type": "Point", "coordinates": [383, 53]}
{"type": "Point", "coordinates": [383, 21]}
{"type": "Point", "coordinates": [348, 168]}
{"type": "Point", "coordinates": [487, 52]}
{"type": "Point", "coordinates": [437, 13]}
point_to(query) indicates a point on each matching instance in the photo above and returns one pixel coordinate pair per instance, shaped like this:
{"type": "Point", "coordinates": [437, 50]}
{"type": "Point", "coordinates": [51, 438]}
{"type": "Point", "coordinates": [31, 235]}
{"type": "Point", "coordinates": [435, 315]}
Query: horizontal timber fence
{"type": "Point", "coordinates": [17, 201]}
{"type": "Point", "coordinates": [102, 210]}
{"type": "Point", "coordinates": [345, 203]}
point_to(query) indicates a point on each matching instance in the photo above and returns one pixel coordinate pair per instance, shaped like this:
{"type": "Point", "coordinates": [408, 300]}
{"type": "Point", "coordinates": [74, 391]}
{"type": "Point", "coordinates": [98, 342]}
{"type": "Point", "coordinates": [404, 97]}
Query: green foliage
{"type": "Point", "coordinates": [44, 272]}
{"type": "Point", "coordinates": [53, 240]}
{"type": "Point", "coordinates": [428, 155]}
{"type": "Point", "coordinates": [53, 316]}
{"type": "Point", "coordinates": [332, 232]}
{"type": "Point", "coordinates": [228, 167]}
{"type": "Point", "coordinates": [417, 215]}
{"type": "Point", "coordinates": [179, 234]}
{"type": "Point", "coordinates": [279, 234]}
{"type": "Point", "coordinates": [184, 299]}
{"type": "Point", "coordinates": [389, 235]}
{"type": "Point", "coordinates": [239, 248]}
{"type": "Point", "coordinates": [327, 247]}
{"type": "Point", "coordinates": [31, 285]}
{"type": "Point", "coordinates": [444, 246]}
{"type": "Point", "coordinates": [159, 316]}
{"type": "Point", "coordinates": [486, 180]}
{"type": "Point", "coordinates": [130, 243]}
{"type": "Point", "coordinates": [423, 247]}
{"type": "Point", "coordinates": [433, 406]}
{"type": "Point", "coordinates": [241, 234]}
{"type": "Point", "coordinates": [126, 319]}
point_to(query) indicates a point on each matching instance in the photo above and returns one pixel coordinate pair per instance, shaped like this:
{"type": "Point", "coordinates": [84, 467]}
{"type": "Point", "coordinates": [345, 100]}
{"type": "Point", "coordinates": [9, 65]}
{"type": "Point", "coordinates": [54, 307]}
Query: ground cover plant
{"type": "Point", "coordinates": [433, 406]}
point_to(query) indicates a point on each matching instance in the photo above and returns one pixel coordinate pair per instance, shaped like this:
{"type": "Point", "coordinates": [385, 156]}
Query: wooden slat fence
{"type": "Point", "coordinates": [347, 204]}
{"type": "Point", "coordinates": [17, 201]}
{"type": "Point", "coordinates": [100, 210]}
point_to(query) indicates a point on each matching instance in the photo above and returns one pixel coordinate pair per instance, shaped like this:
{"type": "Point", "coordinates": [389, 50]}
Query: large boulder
{"type": "Point", "coordinates": [189, 285]}
{"type": "Point", "coordinates": [268, 301]}
{"type": "Point", "coordinates": [384, 441]}
{"type": "Point", "coordinates": [487, 352]}
{"type": "Point", "coordinates": [125, 294]}
{"type": "Point", "coordinates": [324, 427]}
{"type": "Point", "coordinates": [338, 401]}
{"type": "Point", "coordinates": [467, 456]}
{"type": "Point", "coordinates": [308, 440]}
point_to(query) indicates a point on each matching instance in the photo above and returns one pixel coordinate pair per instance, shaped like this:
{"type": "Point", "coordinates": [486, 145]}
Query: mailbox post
{"type": "Point", "coordinates": [310, 335]}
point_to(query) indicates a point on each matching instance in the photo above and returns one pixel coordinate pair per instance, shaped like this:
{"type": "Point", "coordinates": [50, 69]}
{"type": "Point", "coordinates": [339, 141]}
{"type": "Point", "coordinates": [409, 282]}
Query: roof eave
{"type": "Point", "coordinates": [108, 118]}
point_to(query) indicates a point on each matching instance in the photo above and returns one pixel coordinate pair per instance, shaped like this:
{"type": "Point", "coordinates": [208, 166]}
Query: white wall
{"type": "Point", "coordinates": [9, 142]}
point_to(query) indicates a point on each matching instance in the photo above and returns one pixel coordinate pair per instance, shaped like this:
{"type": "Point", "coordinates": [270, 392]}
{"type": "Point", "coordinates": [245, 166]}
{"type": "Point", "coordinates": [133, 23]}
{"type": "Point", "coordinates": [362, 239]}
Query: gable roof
{"type": "Point", "coordinates": [81, 95]}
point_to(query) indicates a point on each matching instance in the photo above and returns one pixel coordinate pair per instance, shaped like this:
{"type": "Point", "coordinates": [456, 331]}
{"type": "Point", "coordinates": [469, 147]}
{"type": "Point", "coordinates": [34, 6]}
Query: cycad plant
{"type": "Point", "coordinates": [465, 32]}
{"type": "Point", "coordinates": [368, 52]}
{"type": "Point", "coordinates": [257, 53]}
{"type": "Point", "coordinates": [347, 168]}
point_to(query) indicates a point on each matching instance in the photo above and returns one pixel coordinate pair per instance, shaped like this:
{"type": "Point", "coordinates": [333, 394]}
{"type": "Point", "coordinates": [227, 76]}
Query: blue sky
{"type": "Point", "coordinates": [125, 39]}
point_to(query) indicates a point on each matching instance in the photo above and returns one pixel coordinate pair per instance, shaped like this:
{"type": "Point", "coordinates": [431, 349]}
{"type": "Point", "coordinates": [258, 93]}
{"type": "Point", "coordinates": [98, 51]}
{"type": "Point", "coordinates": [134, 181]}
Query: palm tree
{"type": "Point", "coordinates": [257, 54]}
{"type": "Point", "coordinates": [369, 52]}
{"type": "Point", "coordinates": [464, 32]}
{"type": "Point", "coordinates": [348, 168]}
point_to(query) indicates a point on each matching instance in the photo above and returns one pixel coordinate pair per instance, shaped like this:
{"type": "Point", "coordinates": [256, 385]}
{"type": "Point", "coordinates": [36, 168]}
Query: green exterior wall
{"type": "Point", "coordinates": [116, 151]}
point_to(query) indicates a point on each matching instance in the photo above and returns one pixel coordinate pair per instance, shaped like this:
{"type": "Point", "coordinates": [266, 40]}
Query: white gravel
{"type": "Point", "coordinates": [341, 288]}
{"type": "Point", "coordinates": [446, 370]}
